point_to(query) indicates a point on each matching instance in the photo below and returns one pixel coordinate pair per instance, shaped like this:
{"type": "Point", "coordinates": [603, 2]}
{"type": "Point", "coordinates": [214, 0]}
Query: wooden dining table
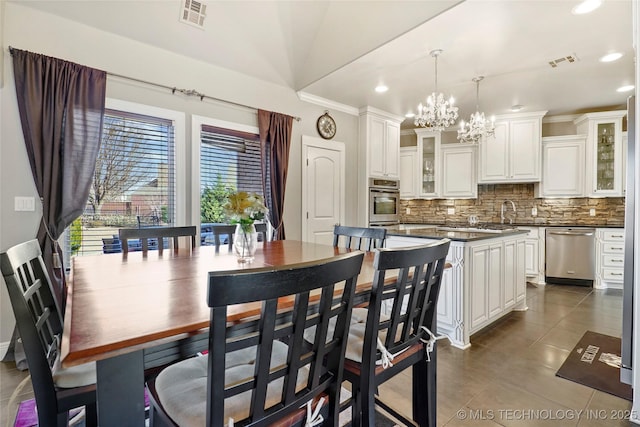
{"type": "Point", "coordinates": [121, 306]}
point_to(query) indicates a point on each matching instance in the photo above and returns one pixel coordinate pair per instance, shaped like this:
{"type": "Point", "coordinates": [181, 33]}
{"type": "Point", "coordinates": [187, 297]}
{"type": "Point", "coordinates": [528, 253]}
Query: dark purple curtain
{"type": "Point", "coordinates": [61, 108]}
{"type": "Point", "coordinates": [275, 140]}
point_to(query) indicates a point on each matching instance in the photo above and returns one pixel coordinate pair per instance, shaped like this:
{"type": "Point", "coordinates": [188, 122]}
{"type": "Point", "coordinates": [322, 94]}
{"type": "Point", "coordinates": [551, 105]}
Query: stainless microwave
{"type": "Point", "coordinates": [384, 201]}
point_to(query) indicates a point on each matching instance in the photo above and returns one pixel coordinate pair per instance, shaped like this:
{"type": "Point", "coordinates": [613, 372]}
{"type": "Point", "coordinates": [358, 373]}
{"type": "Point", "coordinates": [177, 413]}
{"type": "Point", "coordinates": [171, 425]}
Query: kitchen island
{"type": "Point", "coordinates": [486, 280]}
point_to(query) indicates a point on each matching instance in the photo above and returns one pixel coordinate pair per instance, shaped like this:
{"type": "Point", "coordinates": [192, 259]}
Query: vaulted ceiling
{"type": "Point", "coordinates": [341, 50]}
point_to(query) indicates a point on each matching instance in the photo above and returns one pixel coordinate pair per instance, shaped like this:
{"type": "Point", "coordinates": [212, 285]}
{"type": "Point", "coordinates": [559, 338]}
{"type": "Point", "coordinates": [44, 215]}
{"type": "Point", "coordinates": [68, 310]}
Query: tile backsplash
{"type": "Point", "coordinates": [608, 211]}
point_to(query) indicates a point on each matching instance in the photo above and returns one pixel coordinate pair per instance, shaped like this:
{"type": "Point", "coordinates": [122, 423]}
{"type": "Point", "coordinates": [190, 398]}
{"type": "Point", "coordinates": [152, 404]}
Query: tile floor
{"type": "Point", "coordinates": [507, 377]}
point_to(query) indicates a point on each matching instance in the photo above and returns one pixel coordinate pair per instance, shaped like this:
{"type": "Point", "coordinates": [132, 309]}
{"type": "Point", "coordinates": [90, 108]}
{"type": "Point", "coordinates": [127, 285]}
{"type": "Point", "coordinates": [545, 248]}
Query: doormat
{"type": "Point", "coordinates": [595, 362]}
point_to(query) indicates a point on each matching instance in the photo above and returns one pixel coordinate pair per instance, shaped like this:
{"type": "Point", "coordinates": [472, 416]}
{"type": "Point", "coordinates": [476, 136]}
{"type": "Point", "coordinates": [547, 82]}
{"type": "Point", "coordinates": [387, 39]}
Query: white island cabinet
{"type": "Point", "coordinates": [486, 281]}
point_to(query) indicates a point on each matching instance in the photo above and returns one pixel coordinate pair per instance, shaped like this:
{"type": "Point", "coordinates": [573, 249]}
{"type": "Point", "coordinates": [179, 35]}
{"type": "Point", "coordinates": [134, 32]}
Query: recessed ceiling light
{"type": "Point", "coordinates": [586, 6]}
{"type": "Point", "coordinates": [381, 88]}
{"type": "Point", "coordinates": [516, 107]}
{"type": "Point", "coordinates": [610, 57]}
{"type": "Point", "coordinates": [626, 88]}
{"type": "Point", "coordinates": [410, 115]}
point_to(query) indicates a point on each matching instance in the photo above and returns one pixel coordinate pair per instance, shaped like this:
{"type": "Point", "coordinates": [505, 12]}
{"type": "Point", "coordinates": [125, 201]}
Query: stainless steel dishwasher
{"type": "Point", "coordinates": [570, 256]}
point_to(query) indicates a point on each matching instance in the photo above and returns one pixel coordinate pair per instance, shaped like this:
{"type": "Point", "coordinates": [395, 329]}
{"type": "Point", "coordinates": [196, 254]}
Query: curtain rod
{"type": "Point", "coordinates": [188, 92]}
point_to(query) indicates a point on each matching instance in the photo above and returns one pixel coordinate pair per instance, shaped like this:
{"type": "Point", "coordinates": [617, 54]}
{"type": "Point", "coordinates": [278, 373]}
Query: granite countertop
{"type": "Point", "coordinates": [518, 224]}
{"type": "Point", "coordinates": [436, 232]}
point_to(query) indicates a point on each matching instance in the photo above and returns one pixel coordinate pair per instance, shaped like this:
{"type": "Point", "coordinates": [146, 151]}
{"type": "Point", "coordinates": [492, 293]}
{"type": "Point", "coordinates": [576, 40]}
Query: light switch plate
{"type": "Point", "coordinates": [534, 211]}
{"type": "Point", "coordinates": [407, 211]}
{"type": "Point", "coordinates": [451, 211]}
{"type": "Point", "coordinates": [592, 212]}
{"type": "Point", "coordinates": [24, 204]}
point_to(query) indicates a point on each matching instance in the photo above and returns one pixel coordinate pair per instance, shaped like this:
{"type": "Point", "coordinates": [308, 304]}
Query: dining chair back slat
{"type": "Point", "coordinates": [291, 300]}
{"type": "Point", "coordinates": [39, 324]}
{"type": "Point", "coordinates": [222, 231]}
{"type": "Point", "coordinates": [152, 237]}
{"type": "Point", "coordinates": [363, 238]}
{"type": "Point", "coordinates": [407, 283]}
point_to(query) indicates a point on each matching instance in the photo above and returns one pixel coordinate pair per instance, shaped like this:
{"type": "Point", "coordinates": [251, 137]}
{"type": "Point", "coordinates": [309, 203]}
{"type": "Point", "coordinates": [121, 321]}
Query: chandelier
{"type": "Point", "coordinates": [477, 127]}
{"type": "Point", "coordinates": [439, 113]}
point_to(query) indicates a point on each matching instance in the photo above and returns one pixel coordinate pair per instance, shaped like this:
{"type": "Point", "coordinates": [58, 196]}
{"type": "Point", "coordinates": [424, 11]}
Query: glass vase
{"type": "Point", "coordinates": [245, 243]}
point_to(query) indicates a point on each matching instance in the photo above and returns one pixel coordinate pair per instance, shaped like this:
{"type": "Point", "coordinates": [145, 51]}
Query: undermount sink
{"type": "Point", "coordinates": [486, 229]}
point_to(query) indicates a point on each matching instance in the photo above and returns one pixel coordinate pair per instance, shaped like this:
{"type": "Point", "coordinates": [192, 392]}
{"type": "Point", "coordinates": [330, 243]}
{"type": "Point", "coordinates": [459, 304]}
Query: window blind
{"type": "Point", "coordinates": [229, 161]}
{"type": "Point", "coordinates": [133, 183]}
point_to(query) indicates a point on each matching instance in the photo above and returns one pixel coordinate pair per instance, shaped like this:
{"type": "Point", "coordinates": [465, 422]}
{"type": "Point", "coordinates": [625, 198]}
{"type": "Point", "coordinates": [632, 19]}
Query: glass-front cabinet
{"type": "Point", "coordinates": [429, 155]}
{"type": "Point", "coordinates": [604, 171]}
{"type": "Point", "coordinates": [605, 156]}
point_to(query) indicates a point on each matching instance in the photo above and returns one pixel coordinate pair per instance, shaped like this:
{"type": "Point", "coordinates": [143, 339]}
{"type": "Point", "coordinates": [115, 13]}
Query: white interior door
{"type": "Point", "coordinates": [323, 188]}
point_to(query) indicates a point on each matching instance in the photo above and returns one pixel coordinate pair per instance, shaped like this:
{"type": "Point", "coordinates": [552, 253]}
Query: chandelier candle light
{"type": "Point", "coordinates": [477, 127]}
{"type": "Point", "coordinates": [439, 113]}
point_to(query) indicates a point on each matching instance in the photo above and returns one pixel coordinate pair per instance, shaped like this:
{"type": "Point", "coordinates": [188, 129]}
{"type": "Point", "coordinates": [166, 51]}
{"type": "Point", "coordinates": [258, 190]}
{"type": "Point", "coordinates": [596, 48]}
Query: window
{"type": "Point", "coordinates": [134, 182]}
{"type": "Point", "coordinates": [229, 161]}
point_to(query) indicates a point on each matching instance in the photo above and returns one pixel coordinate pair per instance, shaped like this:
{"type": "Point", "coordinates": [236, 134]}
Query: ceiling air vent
{"type": "Point", "coordinates": [565, 59]}
{"type": "Point", "coordinates": [193, 13]}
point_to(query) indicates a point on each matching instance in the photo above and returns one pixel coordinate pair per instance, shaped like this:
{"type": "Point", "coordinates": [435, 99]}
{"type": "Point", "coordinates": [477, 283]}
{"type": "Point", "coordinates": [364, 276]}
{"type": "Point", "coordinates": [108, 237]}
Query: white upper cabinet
{"type": "Point", "coordinates": [409, 172]}
{"type": "Point", "coordinates": [430, 167]}
{"type": "Point", "coordinates": [513, 153]}
{"type": "Point", "coordinates": [381, 136]}
{"type": "Point", "coordinates": [604, 152]}
{"type": "Point", "coordinates": [563, 166]}
{"type": "Point", "coordinates": [459, 175]}
{"type": "Point", "coordinates": [432, 170]}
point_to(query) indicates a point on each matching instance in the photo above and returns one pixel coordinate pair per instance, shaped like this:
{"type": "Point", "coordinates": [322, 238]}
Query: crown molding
{"type": "Point", "coordinates": [372, 110]}
{"type": "Point", "coordinates": [522, 115]}
{"type": "Point", "coordinates": [327, 103]}
{"type": "Point", "coordinates": [560, 119]}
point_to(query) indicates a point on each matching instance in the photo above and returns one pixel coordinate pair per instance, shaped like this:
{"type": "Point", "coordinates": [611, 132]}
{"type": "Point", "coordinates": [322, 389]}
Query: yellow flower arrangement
{"type": "Point", "coordinates": [244, 208]}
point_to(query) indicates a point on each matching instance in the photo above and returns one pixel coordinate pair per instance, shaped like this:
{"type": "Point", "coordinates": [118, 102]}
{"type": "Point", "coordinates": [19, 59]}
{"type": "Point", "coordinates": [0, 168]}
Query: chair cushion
{"type": "Point", "coordinates": [356, 333]}
{"type": "Point", "coordinates": [75, 376]}
{"type": "Point", "coordinates": [182, 387]}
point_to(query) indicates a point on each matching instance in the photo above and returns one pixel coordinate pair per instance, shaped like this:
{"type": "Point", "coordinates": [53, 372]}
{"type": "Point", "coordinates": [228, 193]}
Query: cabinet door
{"type": "Point", "coordinates": [521, 281]}
{"type": "Point", "coordinates": [531, 257]}
{"type": "Point", "coordinates": [446, 301]}
{"type": "Point", "coordinates": [430, 165]}
{"type": "Point", "coordinates": [495, 284]}
{"type": "Point", "coordinates": [478, 286]}
{"type": "Point", "coordinates": [607, 158]}
{"type": "Point", "coordinates": [392, 150]}
{"type": "Point", "coordinates": [376, 141]}
{"type": "Point", "coordinates": [459, 172]}
{"type": "Point", "coordinates": [409, 173]}
{"type": "Point", "coordinates": [524, 150]}
{"type": "Point", "coordinates": [563, 168]}
{"type": "Point", "coordinates": [510, 273]}
{"type": "Point", "coordinates": [494, 155]}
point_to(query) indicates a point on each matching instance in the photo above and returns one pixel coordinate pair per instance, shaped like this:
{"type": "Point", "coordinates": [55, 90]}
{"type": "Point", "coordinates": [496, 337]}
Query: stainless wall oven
{"type": "Point", "coordinates": [384, 201]}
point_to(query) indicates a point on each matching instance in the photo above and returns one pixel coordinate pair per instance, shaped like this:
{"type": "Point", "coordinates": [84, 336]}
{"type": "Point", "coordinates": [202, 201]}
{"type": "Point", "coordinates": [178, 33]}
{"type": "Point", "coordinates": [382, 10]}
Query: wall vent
{"type": "Point", "coordinates": [193, 13]}
{"type": "Point", "coordinates": [565, 59]}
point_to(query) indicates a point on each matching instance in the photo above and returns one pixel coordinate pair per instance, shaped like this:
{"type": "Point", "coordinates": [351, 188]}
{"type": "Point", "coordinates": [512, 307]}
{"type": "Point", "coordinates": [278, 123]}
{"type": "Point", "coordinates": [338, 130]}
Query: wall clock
{"type": "Point", "coordinates": [326, 126]}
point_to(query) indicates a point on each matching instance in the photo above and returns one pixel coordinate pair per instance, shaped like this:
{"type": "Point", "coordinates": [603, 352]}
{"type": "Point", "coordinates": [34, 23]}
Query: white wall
{"type": "Point", "coordinates": [32, 30]}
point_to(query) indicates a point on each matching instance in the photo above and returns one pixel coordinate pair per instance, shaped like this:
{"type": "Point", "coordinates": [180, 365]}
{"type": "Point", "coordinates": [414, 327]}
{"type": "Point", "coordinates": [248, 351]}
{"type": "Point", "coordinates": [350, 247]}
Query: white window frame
{"type": "Point", "coordinates": [179, 126]}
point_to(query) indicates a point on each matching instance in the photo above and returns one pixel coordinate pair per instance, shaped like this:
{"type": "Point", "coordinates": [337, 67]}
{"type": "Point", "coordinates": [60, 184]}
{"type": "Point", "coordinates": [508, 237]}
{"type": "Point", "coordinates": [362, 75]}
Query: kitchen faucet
{"type": "Point", "coordinates": [513, 205]}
